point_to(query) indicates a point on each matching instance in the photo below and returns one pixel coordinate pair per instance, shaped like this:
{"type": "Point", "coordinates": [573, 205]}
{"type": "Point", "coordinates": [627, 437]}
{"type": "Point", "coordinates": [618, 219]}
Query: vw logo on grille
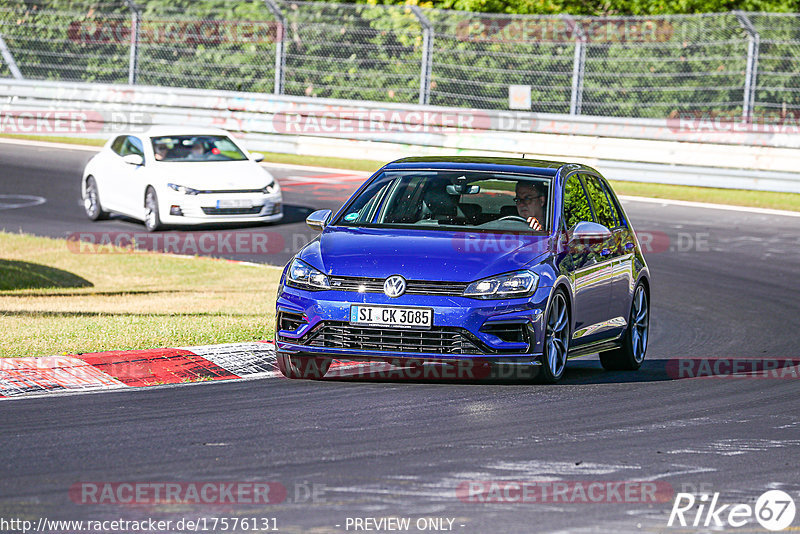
{"type": "Point", "coordinates": [394, 286]}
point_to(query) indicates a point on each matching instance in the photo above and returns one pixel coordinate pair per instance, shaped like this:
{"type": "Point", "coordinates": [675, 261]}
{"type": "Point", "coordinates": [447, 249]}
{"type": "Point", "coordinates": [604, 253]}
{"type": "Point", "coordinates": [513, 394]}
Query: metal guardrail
{"type": "Point", "coordinates": [632, 149]}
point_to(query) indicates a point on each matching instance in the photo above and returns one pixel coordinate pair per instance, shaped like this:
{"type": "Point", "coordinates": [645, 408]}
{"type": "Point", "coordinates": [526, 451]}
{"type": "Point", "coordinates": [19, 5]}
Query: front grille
{"type": "Point", "coordinates": [413, 287]}
{"type": "Point", "coordinates": [439, 340]}
{"type": "Point", "coordinates": [255, 210]}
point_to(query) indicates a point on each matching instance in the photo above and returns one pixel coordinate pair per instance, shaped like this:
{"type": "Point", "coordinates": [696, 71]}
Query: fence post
{"type": "Point", "coordinates": [133, 64]}
{"type": "Point", "coordinates": [751, 72]}
{"type": "Point", "coordinates": [8, 57]}
{"type": "Point", "coordinates": [578, 67]}
{"type": "Point", "coordinates": [280, 53]}
{"type": "Point", "coordinates": [427, 56]}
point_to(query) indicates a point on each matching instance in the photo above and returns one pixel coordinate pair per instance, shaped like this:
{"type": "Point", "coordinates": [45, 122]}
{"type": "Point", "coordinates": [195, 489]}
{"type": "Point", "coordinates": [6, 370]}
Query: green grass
{"type": "Point", "coordinates": [57, 139]}
{"type": "Point", "coordinates": [734, 197]}
{"type": "Point", "coordinates": [322, 161]}
{"type": "Point", "coordinates": [54, 300]}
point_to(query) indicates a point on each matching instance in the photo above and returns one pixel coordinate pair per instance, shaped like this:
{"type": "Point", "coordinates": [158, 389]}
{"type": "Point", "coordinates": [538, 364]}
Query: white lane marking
{"type": "Point", "coordinates": [11, 202]}
{"type": "Point", "coordinates": [708, 205]}
{"type": "Point", "coordinates": [736, 447]}
{"type": "Point", "coordinates": [537, 467]}
{"type": "Point", "coordinates": [691, 470]}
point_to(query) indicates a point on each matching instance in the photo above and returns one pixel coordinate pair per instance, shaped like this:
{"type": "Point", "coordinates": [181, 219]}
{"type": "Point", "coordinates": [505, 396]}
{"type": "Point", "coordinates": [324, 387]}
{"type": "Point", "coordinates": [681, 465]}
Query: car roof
{"type": "Point", "coordinates": [159, 130]}
{"type": "Point", "coordinates": [478, 163]}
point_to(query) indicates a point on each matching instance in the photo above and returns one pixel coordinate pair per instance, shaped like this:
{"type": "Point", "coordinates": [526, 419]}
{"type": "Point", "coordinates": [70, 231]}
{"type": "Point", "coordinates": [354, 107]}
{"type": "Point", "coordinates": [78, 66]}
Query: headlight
{"type": "Point", "coordinates": [516, 284]}
{"type": "Point", "coordinates": [183, 189]}
{"type": "Point", "coordinates": [271, 188]}
{"type": "Point", "coordinates": [304, 276]}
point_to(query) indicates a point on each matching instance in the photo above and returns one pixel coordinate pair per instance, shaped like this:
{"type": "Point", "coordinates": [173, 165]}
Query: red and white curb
{"type": "Point", "coordinates": [135, 368]}
{"type": "Point", "coordinates": [115, 370]}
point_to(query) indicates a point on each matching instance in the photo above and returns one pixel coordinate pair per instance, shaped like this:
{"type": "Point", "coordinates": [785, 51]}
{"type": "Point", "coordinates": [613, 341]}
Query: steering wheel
{"type": "Point", "coordinates": [513, 218]}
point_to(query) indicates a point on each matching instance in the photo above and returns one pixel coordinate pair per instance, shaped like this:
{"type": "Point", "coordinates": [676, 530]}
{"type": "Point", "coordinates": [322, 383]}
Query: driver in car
{"type": "Point", "coordinates": [161, 151]}
{"type": "Point", "coordinates": [530, 199]}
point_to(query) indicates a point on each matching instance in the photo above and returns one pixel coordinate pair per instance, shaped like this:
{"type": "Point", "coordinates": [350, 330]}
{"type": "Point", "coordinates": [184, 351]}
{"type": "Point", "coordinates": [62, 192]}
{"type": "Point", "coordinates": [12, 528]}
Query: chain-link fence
{"type": "Point", "coordinates": [733, 63]}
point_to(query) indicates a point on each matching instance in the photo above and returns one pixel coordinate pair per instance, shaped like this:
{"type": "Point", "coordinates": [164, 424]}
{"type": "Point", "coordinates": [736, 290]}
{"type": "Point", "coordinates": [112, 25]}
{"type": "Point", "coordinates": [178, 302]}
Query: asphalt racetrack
{"type": "Point", "coordinates": [725, 285]}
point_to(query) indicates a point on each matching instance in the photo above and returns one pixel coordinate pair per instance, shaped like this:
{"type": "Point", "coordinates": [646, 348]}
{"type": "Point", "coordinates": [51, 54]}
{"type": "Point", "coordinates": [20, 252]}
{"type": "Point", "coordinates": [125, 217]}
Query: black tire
{"type": "Point", "coordinates": [558, 333]}
{"type": "Point", "coordinates": [152, 219]}
{"type": "Point", "coordinates": [91, 201]}
{"type": "Point", "coordinates": [630, 355]}
{"type": "Point", "coordinates": [302, 366]}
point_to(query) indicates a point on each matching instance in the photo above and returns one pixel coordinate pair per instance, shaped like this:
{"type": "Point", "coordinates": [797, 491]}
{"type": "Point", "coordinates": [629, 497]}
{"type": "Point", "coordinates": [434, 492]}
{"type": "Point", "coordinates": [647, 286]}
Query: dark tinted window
{"type": "Point", "coordinates": [602, 207]}
{"type": "Point", "coordinates": [576, 205]}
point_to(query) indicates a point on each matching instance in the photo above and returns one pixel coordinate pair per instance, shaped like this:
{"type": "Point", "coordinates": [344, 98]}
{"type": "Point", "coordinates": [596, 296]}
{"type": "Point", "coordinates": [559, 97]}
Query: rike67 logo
{"type": "Point", "coordinates": [774, 510]}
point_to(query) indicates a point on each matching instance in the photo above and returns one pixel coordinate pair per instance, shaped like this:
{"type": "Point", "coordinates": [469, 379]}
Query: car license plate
{"type": "Point", "coordinates": [397, 317]}
{"type": "Point", "coordinates": [234, 203]}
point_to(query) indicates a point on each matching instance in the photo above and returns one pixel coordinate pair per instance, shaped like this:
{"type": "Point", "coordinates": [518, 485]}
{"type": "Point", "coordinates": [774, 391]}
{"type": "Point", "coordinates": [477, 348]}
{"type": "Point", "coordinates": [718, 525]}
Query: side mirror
{"type": "Point", "coordinates": [586, 232]}
{"type": "Point", "coordinates": [256, 156]}
{"type": "Point", "coordinates": [133, 159]}
{"type": "Point", "coordinates": [318, 220]}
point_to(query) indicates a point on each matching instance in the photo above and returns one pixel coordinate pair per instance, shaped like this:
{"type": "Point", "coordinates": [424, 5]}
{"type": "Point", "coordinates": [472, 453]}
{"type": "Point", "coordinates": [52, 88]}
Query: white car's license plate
{"type": "Point", "coordinates": [234, 203]}
{"type": "Point", "coordinates": [397, 317]}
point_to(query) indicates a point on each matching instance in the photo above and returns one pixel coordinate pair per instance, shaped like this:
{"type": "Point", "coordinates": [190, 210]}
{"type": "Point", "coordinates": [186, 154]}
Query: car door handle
{"type": "Point", "coordinates": [605, 252]}
{"type": "Point", "coordinates": [629, 246]}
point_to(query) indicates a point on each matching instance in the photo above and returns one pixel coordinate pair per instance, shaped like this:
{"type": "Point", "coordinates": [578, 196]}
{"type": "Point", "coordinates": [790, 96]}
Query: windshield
{"type": "Point", "coordinates": [196, 148]}
{"type": "Point", "coordinates": [432, 199]}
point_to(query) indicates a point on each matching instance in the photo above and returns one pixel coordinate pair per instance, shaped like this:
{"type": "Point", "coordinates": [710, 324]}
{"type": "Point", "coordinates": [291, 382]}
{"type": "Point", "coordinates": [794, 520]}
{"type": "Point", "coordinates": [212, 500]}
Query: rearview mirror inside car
{"type": "Point", "coordinates": [463, 189]}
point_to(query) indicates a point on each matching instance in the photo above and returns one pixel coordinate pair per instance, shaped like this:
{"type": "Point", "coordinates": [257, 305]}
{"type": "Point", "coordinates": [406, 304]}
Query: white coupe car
{"type": "Point", "coordinates": [179, 176]}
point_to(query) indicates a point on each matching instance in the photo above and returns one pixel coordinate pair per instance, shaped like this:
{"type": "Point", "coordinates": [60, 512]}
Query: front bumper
{"type": "Point", "coordinates": [203, 208]}
{"type": "Point", "coordinates": [463, 328]}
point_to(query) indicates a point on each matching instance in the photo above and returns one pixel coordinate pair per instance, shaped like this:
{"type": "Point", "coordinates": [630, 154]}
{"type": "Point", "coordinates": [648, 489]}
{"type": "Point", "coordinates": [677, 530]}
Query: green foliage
{"type": "Point", "coordinates": [649, 66]}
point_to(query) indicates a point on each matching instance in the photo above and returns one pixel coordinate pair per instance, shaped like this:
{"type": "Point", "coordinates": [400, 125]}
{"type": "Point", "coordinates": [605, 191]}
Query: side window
{"type": "Point", "coordinates": [576, 205]}
{"type": "Point", "coordinates": [132, 145]}
{"type": "Point", "coordinates": [136, 146]}
{"type": "Point", "coordinates": [614, 204]}
{"type": "Point", "coordinates": [116, 146]}
{"type": "Point", "coordinates": [602, 207]}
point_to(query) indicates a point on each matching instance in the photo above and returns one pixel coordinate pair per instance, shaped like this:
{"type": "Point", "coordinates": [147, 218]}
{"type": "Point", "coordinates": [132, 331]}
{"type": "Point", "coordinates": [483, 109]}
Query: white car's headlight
{"type": "Point", "coordinates": [183, 189]}
{"type": "Point", "coordinates": [271, 188]}
{"type": "Point", "coordinates": [516, 284]}
{"type": "Point", "coordinates": [304, 276]}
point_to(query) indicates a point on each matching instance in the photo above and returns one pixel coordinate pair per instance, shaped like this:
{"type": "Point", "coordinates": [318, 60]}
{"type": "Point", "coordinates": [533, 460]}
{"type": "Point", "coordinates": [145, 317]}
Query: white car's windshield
{"type": "Point", "coordinates": [196, 148]}
{"type": "Point", "coordinates": [434, 199]}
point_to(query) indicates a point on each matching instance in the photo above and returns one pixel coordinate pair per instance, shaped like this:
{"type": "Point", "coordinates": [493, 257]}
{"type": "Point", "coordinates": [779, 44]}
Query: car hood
{"type": "Point", "coordinates": [421, 254]}
{"type": "Point", "coordinates": [215, 175]}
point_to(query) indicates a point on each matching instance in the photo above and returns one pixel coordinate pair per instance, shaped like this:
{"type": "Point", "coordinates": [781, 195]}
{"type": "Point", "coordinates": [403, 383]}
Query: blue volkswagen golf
{"type": "Point", "coordinates": [441, 261]}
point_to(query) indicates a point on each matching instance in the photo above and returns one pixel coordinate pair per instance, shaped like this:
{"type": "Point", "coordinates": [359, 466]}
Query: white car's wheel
{"type": "Point", "coordinates": [91, 201]}
{"type": "Point", "coordinates": [152, 219]}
